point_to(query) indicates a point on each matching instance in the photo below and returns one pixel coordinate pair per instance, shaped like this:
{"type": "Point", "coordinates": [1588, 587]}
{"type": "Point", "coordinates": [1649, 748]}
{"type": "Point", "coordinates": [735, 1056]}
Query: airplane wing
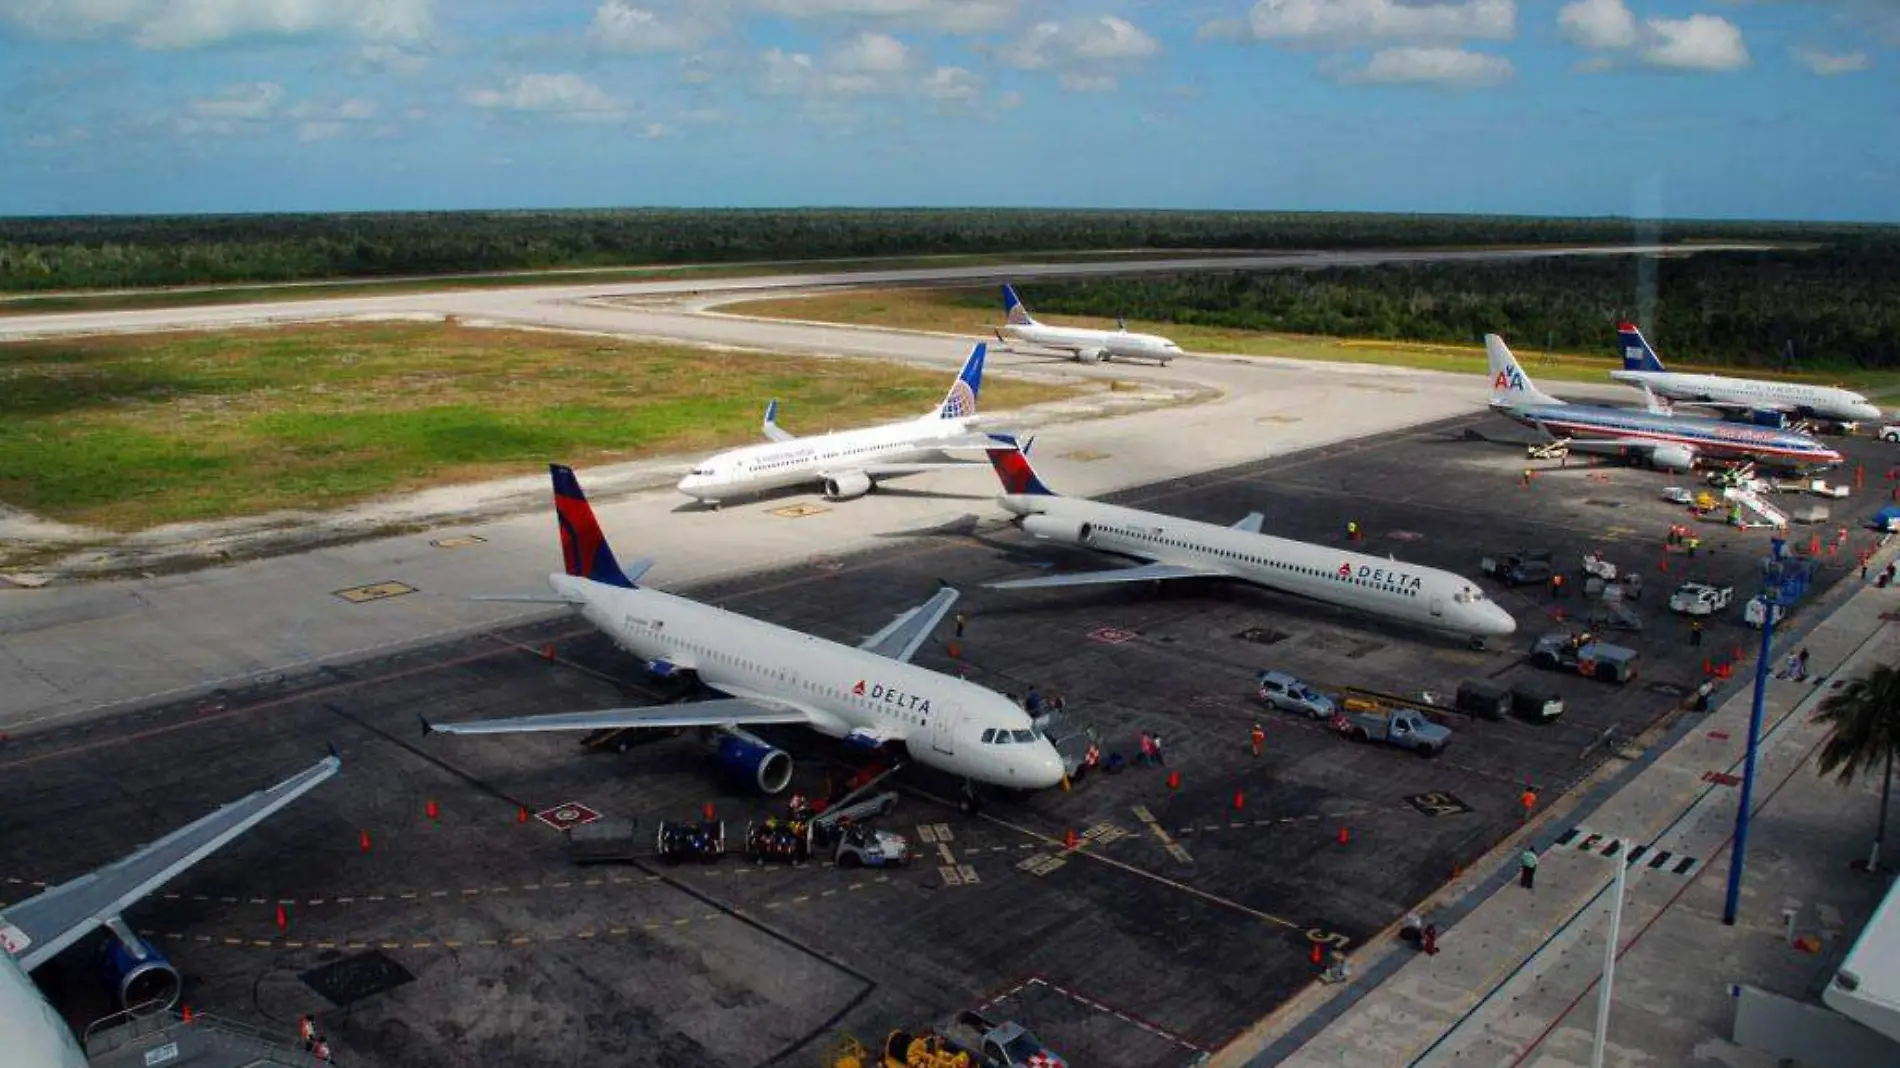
{"type": "Point", "coordinates": [1251, 523]}
{"type": "Point", "coordinates": [1621, 447]}
{"type": "Point", "coordinates": [40, 927]}
{"type": "Point", "coordinates": [1738, 406]}
{"type": "Point", "coordinates": [885, 470]}
{"type": "Point", "coordinates": [1142, 573]}
{"type": "Point", "coordinates": [721, 712]}
{"type": "Point", "coordinates": [900, 638]}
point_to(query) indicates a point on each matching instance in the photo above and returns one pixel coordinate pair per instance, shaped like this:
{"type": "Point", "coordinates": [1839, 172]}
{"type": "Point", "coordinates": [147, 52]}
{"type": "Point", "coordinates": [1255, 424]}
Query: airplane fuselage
{"type": "Point", "coordinates": [848, 692]}
{"type": "Point", "coordinates": [1826, 402]}
{"type": "Point", "coordinates": [1111, 343]}
{"type": "Point", "coordinates": [36, 1036]}
{"type": "Point", "coordinates": [1705, 437]}
{"type": "Point", "coordinates": [1428, 597]}
{"type": "Point", "coordinates": [819, 458]}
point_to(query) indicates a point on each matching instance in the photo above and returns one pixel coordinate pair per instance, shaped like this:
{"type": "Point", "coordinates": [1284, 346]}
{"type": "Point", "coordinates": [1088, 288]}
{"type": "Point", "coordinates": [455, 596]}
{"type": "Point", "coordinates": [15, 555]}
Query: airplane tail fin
{"type": "Point", "coordinates": [1015, 312]}
{"type": "Point", "coordinates": [1011, 462]}
{"type": "Point", "coordinates": [1509, 384]}
{"type": "Point", "coordinates": [584, 548]}
{"type": "Point", "coordinates": [960, 402]}
{"type": "Point", "coordinates": [1637, 355]}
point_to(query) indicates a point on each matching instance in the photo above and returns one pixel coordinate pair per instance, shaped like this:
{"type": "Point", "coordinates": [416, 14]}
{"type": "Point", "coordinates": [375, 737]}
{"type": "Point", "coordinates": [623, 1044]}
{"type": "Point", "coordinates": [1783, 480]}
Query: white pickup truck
{"type": "Point", "coordinates": [1700, 599]}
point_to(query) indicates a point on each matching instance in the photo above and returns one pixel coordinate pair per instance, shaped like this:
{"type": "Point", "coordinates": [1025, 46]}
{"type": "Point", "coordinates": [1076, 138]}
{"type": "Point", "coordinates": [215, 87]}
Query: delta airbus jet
{"type": "Point", "coordinates": [1088, 346]}
{"type": "Point", "coordinates": [871, 696]}
{"type": "Point", "coordinates": [1741, 397]}
{"type": "Point", "coordinates": [848, 463]}
{"type": "Point", "coordinates": [1654, 437]}
{"type": "Point", "coordinates": [36, 930]}
{"type": "Point", "coordinates": [1177, 548]}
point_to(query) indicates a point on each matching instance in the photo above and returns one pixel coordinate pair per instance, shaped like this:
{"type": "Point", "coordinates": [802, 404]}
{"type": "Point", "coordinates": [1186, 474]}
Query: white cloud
{"type": "Point", "coordinates": [1699, 42]}
{"type": "Point", "coordinates": [380, 57]}
{"type": "Point", "coordinates": [656, 130]}
{"type": "Point", "coordinates": [872, 53]}
{"type": "Point", "coordinates": [1343, 23]}
{"type": "Point", "coordinates": [318, 131]}
{"type": "Point", "coordinates": [172, 24]}
{"type": "Point", "coordinates": [953, 84]}
{"type": "Point", "coordinates": [1827, 64]}
{"type": "Point", "coordinates": [66, 138]}
{"type": "Point", "coordinates": [1010, 98]}
{"type": "Point", "coordinates": [1598, 24]}
{"type": "Point", "coordinates": [682, 26]}
{"type": "Point", "coordinates": [1451, 68]}
{"type": "Point", "coordinates": [948, 16]}
{"type": "Point", "coordinates": [251, 101]}
{"type": "Point", "coordinates": [866, 64]}
{"type": "Point", "coordinates": [566, 95]}
{"type": "Point", "coordinates": [1087, 55]}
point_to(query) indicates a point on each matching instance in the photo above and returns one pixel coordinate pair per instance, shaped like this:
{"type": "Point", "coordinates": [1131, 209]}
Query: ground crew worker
{"type": "Point", "coordinates": [1412, 928]}
{"type": "Point", "coordinates": [321, 1050]}
{"type": "Point", "coordinates": [306, 1031]}
{"type": "Point", "coordinates": [1259, 739]}
{"type": "Point", "coordinates": [1527, 476]}
{"type": "Point", "coordinates": [1147, 755]}
{"type": "Point", "coordinates": [1352, 530]}
{"type": "Point", "coordinates": [960, 622]}
{"type": "Point", "coordinates": [1801, 665]}
{"type": "Point", "coordinates": [1528, 800]}
{"type": "Point", "coordinates": [1155, 738]}
{"type": "Point", "coordinates": [1695, 634]}
{"type": "Point", "coordinates": [1430, 945]}
{"type": "Point", "coordinates": [1527, 868]}
{"type": "Point", "coordinates": [1694, 544]}
{"type": "Point", "coordinates": [1557, 584]}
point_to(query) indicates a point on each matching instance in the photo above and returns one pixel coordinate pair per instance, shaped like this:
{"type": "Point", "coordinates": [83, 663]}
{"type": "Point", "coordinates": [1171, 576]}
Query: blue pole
{"type": "Point", "coordinates": [1770, 602]}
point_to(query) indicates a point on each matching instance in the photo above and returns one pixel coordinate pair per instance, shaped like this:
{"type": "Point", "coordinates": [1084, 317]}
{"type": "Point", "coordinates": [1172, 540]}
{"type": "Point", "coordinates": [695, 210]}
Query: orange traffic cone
{"type": "Point", "coordinates": [1240, 800]}
{"type": "Point", "coordinates": [364, 839]}
{"type": "Point", "coordinates": [434, 812]}
{"type": "Point", "coordinates": [956, 650]}
{"type": "Point", "coordinates": [1315, 956]}
{"type": "Point", "coordinates": [185, 1013]}
{"type": "Point", "coordinates": [1708, 666]}
{"type": "Point", "coordinates": [521, 814]}
{"type": "Point", "coordinates": [1174, 780]}
{"type": "Point", "coordinates": [547, 651]}
{"type": "Point", "coordinates": [1345, 836]}
{"type": "Point", "coordinates": [283, 921]}
{"type": "Point", "coordinates": [1069, 840]}
{"type": "Point", "coordinates": [1662, 564]}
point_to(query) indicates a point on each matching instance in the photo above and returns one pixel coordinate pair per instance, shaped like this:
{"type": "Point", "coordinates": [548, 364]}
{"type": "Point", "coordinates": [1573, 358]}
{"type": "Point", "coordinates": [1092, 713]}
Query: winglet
{"type": "Point", "coordinates": [1637, 355]}
{"type": "Point", "coordinates": [331, 746]}
{"type": "Point", "coordinates": [960, 402]}
{"type": "Point", "coordinates": [584, 549]}
{"type": "Point", "coordinates": [773, 432]}
{"type": "Point", "coordinates": [1011, 462]}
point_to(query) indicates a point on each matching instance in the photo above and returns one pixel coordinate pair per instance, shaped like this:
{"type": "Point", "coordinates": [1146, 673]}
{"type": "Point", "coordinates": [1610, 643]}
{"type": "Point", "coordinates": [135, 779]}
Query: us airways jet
{"type": "Point", "coordinates": [1741, 397]}
{"type": "Point", "coordinates": [1177, 548]}
{"type": "Point", "coordinates": [871, 695]}
{"type": "Point", "coordinates": [1655, 437]}
{"type": "Point", "coordinates": [32, 932]}
{"type": "Point", "coordinates": [847, 463]}
{"type": "Point", "coordinates": [1088, 346]}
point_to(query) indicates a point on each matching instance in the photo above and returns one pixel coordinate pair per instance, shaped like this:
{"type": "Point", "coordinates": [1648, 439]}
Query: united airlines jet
{"type": "Point", "coordinates": [849, 463]}
{"type": "Point", "coordinates": [871, 696]}
{"type": "Point", "coordinates": [1659, 439]}
{"type": "Point", "coordinates": [1176, 548]}
{"type": "Point", "coordinates": [34, 931]}
{"type": "Point", "coordinates": [1088, 346]}
{"type": "Point", "coordinates": [1740, 396]}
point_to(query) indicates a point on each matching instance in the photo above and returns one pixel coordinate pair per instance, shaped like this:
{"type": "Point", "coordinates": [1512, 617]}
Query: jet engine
{"type": "Point", "coordinates": [850, 485]}
{"type": "Point", "coordinates": [752, 761]}
{"type": "Point", "coordinates": [1067, 531]}
{"type": "Point", "coordinates": [1672, 457]}
{"type": "Point", "coordinates": [1091, 355]}
{"type": "Point", "coordinates": [137, 972]}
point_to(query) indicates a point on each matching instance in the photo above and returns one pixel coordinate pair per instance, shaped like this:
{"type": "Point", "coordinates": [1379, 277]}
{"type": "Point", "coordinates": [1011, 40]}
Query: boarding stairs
{"type": "Point", "coordinates": [1751, 501]}
{"type": "Point", "coordinates": [135, 1039]}
{"type": "Point", "coordinates": [1614, 611]}
{"type": "Point", "coordinates": [1548, 450]}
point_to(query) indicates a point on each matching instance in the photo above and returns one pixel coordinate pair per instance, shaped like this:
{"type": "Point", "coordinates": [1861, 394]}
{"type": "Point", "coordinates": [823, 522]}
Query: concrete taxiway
{"type": "Point", "coordinates": [1183, 915]}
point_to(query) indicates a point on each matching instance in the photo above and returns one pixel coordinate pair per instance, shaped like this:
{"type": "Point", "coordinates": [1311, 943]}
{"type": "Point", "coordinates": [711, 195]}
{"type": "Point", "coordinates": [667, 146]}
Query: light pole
{"type": "Point", "coordinates": [1621, 858]}
{"type": "Point", "coordinates": [1771, 606]}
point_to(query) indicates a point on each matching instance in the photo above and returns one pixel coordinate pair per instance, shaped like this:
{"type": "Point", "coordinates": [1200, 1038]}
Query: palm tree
{"type": "Point", "coordinates": [1864, 730]}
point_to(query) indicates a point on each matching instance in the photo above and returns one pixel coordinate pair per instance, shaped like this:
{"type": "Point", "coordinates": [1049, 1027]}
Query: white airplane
{"type": "Point", "coordinates": [39, 928]}
{"type": "Point", "coordinates": [1184, 548]}
{"type": "Point", "coordinates": [1741, 397]}
{"type": "Point", "coordinates": [871, 695]}
{"type": "Point", "coordinates": [847, 463]}
{"type": "Point", "coordinates": [1088, 346]}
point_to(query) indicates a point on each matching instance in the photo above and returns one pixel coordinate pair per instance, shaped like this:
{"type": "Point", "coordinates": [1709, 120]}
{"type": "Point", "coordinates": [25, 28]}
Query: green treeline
{"type": "Point", "coordinates": [81, 252]}
{"type": "Point", "coordinates": [1838, 305]}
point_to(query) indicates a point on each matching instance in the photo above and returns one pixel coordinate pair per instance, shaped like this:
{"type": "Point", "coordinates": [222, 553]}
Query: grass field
{"type": "Point", "coordinates": [953, 311]}
{"type": "Point", "coordinates": [128, 432]}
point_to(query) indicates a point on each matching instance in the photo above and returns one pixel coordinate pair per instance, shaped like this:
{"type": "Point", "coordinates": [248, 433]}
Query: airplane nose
{"type": "Point", "coordinates": [1049, 770]}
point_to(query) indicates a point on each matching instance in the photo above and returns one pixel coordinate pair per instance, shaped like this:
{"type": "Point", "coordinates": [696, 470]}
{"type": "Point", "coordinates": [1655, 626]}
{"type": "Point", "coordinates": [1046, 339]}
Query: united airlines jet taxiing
{"type": "Point", "coordinates": [871, 695]}
{"type": "Point", "coordinates": [1737, 396]}
{"type": "Point", "coordinates": [1659, 439]}
{"type": "Point", "coordinates": [848, 463]}
{"type": "Point", "coordinates": [1184, 548]}
{"type": "Point", "coordinates": [36, 930]}
{"type": "Point", "coordinates": [1088, 346]}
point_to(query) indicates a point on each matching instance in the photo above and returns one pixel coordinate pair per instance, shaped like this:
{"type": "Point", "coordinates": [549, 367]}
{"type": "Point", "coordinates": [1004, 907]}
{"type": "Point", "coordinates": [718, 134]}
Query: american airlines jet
{"type": "Point", "coordinates": [1659, 439]}
{"type": "Point", "coordinates": [1738, 396]}
{"type": "Point", "coordinates": [848, 463]}
{"type": "Point", "coordinates": [1088, 346]}
{"type": "Point", "coordinates": [32, 932]}
{"type": "Point", "coordinates": [1178, 548]}
{"type": "Point", "coordinates": [871, 696]}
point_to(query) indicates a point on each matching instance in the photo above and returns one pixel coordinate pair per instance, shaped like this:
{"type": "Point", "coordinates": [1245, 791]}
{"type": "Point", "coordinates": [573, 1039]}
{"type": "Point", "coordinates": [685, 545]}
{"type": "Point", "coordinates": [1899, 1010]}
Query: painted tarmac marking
{"type": "Point", "coordinates": [1167, 841]}
{"type": "Point", "coordinates": [375, 591]}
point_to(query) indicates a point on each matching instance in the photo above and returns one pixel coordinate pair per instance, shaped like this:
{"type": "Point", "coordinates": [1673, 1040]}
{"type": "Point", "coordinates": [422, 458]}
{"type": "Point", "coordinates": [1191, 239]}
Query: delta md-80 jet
{"type": "Point", "coordinates": [34, 931]}
{"type": "Point", "coordinates": [871, 696]}
{"type": "Point", "coordinates": [1184, 548]}
{"type": "Point", "coordinates": [1088, 346]}
{"type": "Point", "coordinates": [1660, 439]}
{"type": "Point", "coordinates": [847, 463]}
{"type": "Point", "coordinates": [1741, 397]}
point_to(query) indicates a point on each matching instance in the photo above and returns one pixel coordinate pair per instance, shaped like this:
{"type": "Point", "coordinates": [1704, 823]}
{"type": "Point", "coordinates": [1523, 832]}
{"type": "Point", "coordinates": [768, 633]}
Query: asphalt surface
{"type": "Point", "coordinates": [1184, 914]}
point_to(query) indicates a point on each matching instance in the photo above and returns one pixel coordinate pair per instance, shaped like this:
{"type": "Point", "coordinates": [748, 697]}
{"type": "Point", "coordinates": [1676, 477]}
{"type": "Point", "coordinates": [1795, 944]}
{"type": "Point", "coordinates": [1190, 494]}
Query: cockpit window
{"type": "Point", "coordinates": [701, 471]}
{"type": "Point", "coordinates": [989, 736]}
{"type": "Point", "coordinates": [1023, 736]}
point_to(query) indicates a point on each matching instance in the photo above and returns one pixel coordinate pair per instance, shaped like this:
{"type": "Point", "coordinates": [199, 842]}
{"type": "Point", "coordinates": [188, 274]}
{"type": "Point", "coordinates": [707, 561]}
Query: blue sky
{"type": "Point", "coordinates": [1724, 108]}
